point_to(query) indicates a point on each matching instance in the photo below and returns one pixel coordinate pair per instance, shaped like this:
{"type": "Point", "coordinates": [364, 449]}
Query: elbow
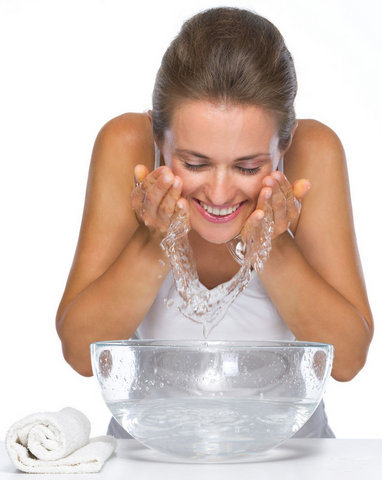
{"type": "Point", "coordinates": [346, 373]}
{"type": "Point", "coordinates": [80, 365]}
{"type": "Point", "coordinates": [353, 362]}
{"type": "Point", "coordinates": [76, 356]}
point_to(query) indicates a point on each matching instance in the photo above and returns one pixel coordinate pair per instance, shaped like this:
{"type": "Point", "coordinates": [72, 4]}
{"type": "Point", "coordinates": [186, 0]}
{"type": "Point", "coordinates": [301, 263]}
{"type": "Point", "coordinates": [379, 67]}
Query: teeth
{"type": "Point", "coordinates": [216, 211]}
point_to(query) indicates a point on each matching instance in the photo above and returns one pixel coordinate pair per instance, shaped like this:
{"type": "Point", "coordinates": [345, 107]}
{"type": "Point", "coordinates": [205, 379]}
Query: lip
{"type": "Point", "coordinates": [215, 218]}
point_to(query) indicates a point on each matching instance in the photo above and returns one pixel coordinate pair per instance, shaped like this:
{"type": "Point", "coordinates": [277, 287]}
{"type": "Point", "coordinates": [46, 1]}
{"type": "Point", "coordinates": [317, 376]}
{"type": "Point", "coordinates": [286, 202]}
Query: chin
{"type": "Point", "coordinates": [215, 236]}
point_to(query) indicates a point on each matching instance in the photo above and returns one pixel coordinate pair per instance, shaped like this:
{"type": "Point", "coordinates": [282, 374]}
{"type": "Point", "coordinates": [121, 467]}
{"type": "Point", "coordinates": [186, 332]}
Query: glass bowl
{"type": "Point", "coordinates": [211, 401]}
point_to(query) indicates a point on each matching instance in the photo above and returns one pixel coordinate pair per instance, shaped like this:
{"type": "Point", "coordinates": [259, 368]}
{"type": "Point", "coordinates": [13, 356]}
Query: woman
{"type": "Point", "coordinates": [220, 143]}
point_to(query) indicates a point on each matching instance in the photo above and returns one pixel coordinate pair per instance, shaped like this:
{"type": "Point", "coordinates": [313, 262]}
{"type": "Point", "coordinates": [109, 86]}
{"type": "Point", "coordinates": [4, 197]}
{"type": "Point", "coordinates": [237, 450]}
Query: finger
{"type": "Point", "coordinates": [251, 225]}
{"type": "Point", "coordinates": [140, 172]}
{"type": "Point", "coordinates": [137, 194]}
{"type": "Point", "coordinates": [253, 233]}
{"type": "Point", "coordinates": [156, 192]}
{"type": "Point", "coordinates": [182, 207]}
{"type": "Point", "coordinates": [293, 206]}
{"type": "Point", "coordinates": [300, 188]}
{"type": "Point", "coordinates": [168, 204]}
{"type": "Point", "coordinates": [151, 178]}
{"type": "Point", "coordinates": [278, 202]}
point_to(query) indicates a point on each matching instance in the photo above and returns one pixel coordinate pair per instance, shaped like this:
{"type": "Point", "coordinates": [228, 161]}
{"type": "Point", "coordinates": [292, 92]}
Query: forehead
{"type": "Point", "coordinates": [231, 129]}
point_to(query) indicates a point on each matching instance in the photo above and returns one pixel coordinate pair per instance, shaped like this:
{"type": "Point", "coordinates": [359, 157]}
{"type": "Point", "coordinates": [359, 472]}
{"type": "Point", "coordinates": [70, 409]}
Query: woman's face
{"type": "Point", "coordinates": [222, 155]}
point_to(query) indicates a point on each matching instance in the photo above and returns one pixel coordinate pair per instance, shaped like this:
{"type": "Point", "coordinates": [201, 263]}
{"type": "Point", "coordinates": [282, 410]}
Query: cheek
{"type": "Point", "coordinates": [251, 188]}
{"type": "Point", "coordinates": [190, 182]}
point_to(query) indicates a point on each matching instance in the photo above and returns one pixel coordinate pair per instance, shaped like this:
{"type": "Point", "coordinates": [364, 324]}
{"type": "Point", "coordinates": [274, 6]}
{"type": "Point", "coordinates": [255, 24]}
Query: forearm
{"type": "Point", "coordinates": [112, 306]}
{"type": "Point", "coordinates": [315, 311]}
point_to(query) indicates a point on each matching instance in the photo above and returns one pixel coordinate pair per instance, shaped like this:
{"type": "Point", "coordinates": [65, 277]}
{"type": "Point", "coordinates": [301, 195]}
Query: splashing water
{"type": "Point", "coordinates": [208, 307]}
{"type": "Point", "coordinates": [250, 248]}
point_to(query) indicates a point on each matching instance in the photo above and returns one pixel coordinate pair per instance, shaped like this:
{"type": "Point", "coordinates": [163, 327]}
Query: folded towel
{"type": "Point", "coordinates": [57, 442]}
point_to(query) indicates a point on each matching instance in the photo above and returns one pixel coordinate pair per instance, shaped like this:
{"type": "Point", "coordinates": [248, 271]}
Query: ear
{"type": "Point", "coordinates": [295, 125]}
{"type": "Point", "coordinates": [150, 115]}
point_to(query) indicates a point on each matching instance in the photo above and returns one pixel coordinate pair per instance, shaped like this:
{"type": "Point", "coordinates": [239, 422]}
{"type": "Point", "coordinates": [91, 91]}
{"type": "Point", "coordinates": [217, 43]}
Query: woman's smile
{"type": "Point", "coordinates": [218, 213]}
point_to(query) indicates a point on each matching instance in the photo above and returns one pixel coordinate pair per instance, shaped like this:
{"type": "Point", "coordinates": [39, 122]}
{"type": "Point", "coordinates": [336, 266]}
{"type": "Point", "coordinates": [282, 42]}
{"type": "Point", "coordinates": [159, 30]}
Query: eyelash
{"type": "Point", "coordinates": [246, 171]}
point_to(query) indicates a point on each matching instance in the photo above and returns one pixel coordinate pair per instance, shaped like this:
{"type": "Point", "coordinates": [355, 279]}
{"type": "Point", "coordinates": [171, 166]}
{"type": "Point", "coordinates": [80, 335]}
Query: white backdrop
{"type": "Point", "coordinates": [67, 67]}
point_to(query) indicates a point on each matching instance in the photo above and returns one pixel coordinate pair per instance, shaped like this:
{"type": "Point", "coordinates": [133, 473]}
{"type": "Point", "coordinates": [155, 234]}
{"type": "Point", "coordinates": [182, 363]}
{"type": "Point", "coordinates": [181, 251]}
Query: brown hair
{"type": "Point", "coordinates": [227, 56]}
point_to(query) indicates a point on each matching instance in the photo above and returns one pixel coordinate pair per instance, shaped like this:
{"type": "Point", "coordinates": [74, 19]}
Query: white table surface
{"type": "Point", "coordinates": [305, 459]}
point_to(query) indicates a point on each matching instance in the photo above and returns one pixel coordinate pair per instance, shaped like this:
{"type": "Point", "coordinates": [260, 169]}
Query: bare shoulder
{"type": "Point", "coordinates": [128, 127]}
{"type": "Point", "coordinates": [317, 155]}
{"type": "Point", "coordinates": [122, 143]}
{"type": "Point", "coordinates": [127, 138]}
{"type": "Point", "coordinates": [314, 133]}
{"type": "Point", "coordinates": [316, 150]}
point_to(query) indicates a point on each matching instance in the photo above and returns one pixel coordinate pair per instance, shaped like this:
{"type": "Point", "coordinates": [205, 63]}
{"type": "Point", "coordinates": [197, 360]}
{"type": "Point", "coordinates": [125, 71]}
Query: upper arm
{"type": "Point", "coordinates": [325, 231]}
{"type": "Point", "coordinates": [108, 220]}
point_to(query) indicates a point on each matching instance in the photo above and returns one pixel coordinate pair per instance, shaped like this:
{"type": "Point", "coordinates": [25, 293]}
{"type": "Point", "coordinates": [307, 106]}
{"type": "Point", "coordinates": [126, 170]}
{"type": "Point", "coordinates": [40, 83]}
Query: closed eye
{"type": "Point", "coordinates": [189, 166]}
{"type": "Point", "coordinates": [249, 171]}
{"type": "Point", "coordinates": [245, 171]}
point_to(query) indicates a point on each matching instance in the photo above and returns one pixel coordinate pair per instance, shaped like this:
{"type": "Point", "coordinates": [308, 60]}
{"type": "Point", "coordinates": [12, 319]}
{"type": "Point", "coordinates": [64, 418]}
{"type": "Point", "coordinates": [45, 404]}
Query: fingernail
{"type": "Point", "coordinates": [176, 183]}
{"type": "Point", "coordinates": [268, 194]}
{"type": "Point", "coordinates": [259, 215]}
{"type": "Point", "coordinates": [167, 178]}
{"type": "Point", "coordinates": [278, 176]}
{"type": "Point", "coordinates": [269, 182]}
{"type": "Point", "coordinates": [180, 205]}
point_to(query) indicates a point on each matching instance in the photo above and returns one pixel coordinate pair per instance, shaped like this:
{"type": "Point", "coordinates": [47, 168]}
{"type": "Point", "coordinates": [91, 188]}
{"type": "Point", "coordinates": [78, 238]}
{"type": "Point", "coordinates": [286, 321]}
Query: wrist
{"type": "Point", "coordinates": [150, 244]}
{"type": "Point", "coordinates": [281, 239]}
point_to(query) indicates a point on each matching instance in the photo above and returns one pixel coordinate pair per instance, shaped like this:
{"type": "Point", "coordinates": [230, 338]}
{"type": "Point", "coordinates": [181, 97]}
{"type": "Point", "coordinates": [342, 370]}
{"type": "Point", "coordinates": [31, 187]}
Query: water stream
{"type": "Point", "coordinates": [201, 305]}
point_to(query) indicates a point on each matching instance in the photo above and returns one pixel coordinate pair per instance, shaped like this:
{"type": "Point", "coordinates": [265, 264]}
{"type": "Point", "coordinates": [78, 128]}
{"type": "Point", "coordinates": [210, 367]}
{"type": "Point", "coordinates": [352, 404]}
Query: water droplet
{"type": "Point", "coordinates": [162, 263]}
{"type": "Point", "coordinates": [159, 277]}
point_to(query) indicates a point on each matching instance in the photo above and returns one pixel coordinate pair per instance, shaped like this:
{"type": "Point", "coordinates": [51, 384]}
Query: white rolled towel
{"type": "Point", "coordinates": [57, 442]}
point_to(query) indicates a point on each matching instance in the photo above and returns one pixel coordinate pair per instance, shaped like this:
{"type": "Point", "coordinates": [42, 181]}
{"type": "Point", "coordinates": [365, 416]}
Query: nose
{"type": "Point", "coordinates": [219, 188]}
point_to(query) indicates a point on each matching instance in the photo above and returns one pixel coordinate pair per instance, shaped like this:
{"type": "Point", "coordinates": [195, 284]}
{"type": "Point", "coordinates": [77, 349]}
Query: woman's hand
{"type": "Point", "coordinates": [283, 199]}
{"type": "Point", "coordinates": [156, 198]}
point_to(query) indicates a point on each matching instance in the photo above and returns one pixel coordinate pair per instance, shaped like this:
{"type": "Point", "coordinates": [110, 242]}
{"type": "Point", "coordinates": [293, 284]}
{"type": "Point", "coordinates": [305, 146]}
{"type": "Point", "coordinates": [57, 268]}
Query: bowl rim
{"type": "Point", "coordinates": [209, 344]}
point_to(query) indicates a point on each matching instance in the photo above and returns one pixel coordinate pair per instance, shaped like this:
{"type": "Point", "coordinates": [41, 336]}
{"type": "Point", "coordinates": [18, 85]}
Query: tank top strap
{"type": "Point", "coordinates": [280, 168]}
{"type": "Point", "coordinates": [157, 151]}
{"type": "Point", "coordinates": [157, 157]}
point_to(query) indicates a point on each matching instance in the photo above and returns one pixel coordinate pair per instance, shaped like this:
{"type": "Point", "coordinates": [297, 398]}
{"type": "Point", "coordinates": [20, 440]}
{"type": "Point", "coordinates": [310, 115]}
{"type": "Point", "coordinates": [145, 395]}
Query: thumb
{"type": "Point", "coordinates": [182, 207]}
{"type": "Point", "coordinates": [253, 225]}
{"type": "Point", "coordinates": [300, 188]}
{"type": "Point", "coordinates": [140, 173]}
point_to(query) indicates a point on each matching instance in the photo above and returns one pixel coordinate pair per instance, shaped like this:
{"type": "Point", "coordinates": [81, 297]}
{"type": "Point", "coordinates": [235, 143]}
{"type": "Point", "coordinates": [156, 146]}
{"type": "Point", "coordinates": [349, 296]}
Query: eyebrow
{"type": "Point", "coordinates": [199, 155]}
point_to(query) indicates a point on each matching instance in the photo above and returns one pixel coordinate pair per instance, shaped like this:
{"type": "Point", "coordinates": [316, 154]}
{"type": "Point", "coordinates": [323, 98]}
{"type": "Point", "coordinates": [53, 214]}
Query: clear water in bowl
{"type": "Point", "coordinates": [209, 429]}
{"type": "Point", "coordinates": [211, 401]}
